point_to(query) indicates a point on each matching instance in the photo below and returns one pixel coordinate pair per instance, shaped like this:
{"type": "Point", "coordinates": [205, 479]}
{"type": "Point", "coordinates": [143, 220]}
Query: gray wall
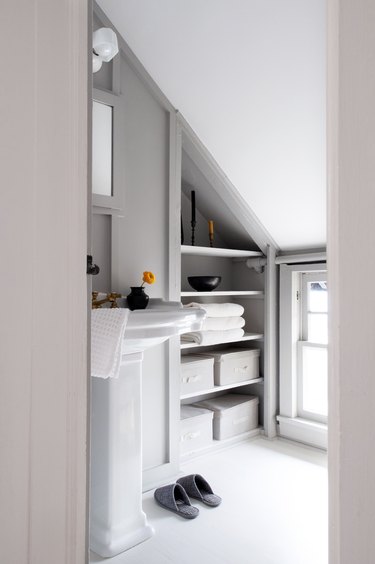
{"type": "Point", "coordinates": [143, 239]}
{"type": "Point", "coordinates": [128, 241]}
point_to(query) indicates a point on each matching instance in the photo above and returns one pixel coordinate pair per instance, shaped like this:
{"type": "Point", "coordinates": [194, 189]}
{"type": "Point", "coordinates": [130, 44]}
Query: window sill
{"type": "Point", "coordinates": [304, 431]}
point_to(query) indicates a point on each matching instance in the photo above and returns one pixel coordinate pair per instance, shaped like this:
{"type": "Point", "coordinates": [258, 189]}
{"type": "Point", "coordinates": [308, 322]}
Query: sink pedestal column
{"type": "Point", "coordinates": [117, 519]}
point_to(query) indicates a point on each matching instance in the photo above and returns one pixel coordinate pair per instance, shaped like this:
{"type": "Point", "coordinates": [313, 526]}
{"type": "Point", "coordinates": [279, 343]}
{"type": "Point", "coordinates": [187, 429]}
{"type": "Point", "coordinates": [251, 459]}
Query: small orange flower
{"type": "Point", "coordinates": [148, 277]}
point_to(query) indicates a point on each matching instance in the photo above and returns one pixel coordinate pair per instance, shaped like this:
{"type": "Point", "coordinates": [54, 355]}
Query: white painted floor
{"type": "Point", "coordinates": [274, 511]}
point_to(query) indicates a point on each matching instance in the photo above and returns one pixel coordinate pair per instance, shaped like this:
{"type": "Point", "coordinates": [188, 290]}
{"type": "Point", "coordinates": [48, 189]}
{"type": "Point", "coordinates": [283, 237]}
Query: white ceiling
{"type": "Point", "coordinates": [249, 77]}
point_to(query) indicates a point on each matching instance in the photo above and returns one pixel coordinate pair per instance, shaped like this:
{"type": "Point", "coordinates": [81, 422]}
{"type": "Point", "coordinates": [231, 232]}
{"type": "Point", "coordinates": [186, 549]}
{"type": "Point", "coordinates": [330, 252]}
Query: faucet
{"type": "Point", "coordinates": [110, 298]}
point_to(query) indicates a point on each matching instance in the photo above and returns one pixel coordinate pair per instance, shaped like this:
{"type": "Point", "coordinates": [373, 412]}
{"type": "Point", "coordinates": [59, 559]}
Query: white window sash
{"type": "Point", "coordinates": [290, 331]}
{"type": "Point", "coordinates": [307, 278]}
{"type": "Point", "coordinates": [310, 415]}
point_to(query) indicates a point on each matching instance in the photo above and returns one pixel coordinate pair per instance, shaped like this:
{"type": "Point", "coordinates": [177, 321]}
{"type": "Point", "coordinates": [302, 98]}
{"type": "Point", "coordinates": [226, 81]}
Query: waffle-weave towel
{"type": "Point", "coordinates": [107, 334]}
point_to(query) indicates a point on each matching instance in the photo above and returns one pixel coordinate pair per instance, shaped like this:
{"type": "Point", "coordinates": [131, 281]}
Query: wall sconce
{"type": "Point", "coordinates": [104, 47]}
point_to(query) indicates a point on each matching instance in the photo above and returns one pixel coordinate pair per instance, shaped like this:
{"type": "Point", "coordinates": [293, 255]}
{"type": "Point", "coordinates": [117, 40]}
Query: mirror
{"type": "Point", "coordinates": [102, 120]}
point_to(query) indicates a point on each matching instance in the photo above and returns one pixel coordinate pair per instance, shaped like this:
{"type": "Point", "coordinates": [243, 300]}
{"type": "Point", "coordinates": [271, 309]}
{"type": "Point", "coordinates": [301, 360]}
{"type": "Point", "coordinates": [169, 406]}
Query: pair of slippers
{"type": "Point", "coordinates": [175, 497]}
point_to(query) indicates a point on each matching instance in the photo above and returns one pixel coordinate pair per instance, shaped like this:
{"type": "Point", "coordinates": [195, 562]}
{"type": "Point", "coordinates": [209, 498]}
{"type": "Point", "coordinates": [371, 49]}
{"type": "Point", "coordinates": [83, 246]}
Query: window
{"type": "Point", "coordinates": [303, 353]}
{"type": "Point", "coordinates": [312, 384]}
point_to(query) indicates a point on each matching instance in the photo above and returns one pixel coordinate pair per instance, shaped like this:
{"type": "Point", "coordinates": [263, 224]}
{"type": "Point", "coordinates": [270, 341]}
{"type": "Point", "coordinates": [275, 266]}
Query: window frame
{"type": "Point", "coordinates": [291, 422]}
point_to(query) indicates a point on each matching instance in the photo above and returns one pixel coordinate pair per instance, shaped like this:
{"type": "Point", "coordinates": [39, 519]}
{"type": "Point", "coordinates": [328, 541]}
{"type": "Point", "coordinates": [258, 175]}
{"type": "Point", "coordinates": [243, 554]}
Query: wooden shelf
{"type": "Point", "coordinates": [246, 337]}
{"type": "Point", "coordinates": [214, 252]}
{"type": "Point", "coordinates": [218, 445]}
{"type": "Point", "coordinates": [222, 388]}
{"type": "Point", "coordinates": [242, 293]}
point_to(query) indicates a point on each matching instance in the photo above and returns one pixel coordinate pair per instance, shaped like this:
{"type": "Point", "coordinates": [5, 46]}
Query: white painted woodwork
{"type": "Point", "coordinates": [270, 345]}
{"type": "Point", "coordinates": [300, 258]}
{"type": "Point", "coordinates": [242, 293]}
{"type": "Point", "coordinates": [113, 200]}
{"type": "Point", "coordinates": [43, 242]}
{"type": "Point", "coordinates": [304, 431]}
{"type": "Point", "coordinates": [246, 337]}
{"type": "Point", "coordinates": [222, 388]}
{"type": "Point", "coordinates": [351, 298]}
{"type": "Point", "coordinates": [290, 318]}
{"type": "Point", "coordinates": [215, 252]}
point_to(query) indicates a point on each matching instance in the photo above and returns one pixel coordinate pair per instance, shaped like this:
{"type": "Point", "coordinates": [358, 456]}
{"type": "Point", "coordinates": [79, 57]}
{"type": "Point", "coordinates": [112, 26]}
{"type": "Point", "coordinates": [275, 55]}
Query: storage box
{"type": "Point", "coordinates": [195, 429]}
{"type": "Point", "coordinates": [197, 374]}
{"type": "Point", "coordinates": [235, 365]}
{"type": "Point", "coordinates": [233, 414]}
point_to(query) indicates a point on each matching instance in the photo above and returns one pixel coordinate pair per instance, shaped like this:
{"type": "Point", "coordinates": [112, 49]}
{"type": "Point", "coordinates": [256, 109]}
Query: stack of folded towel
{"type": "Point", "coordinates": [224, 322]}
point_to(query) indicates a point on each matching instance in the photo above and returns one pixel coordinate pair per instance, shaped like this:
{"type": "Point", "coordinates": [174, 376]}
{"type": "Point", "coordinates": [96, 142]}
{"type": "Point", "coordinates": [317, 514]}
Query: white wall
{"type": "Point", "coordinates": [351, 267]}
{"type": "Point", "coordinates": [250, 78]}
{"type": "Point", "coordinates": [43, 286]}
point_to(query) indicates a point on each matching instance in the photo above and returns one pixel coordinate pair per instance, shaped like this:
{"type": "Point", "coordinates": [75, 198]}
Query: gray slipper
{"type": "Point", "coordinates": [174, 498]}
{"type": "Point", "coordinates": [197, 488]}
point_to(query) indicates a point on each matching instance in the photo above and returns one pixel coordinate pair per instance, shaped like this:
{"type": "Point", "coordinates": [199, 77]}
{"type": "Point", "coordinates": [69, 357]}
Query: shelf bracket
{"type": "Point", "coordinates": [257, 263]}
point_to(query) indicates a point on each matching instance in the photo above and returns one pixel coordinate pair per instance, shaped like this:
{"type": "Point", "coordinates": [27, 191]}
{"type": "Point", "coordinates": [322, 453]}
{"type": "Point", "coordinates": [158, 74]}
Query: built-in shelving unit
{"type": "Point", "coordinates": [246, 337]}
{"type": "Point", "coordinates": [216, 389]}
{"type": "Point", "coordinates": [223, 261]}
{"type": "Point", "coordinates": [243, 282]}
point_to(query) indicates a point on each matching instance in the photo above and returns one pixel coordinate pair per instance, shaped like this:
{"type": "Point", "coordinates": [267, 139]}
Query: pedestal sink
{"type": "Point", "coordinates": [117, 521]}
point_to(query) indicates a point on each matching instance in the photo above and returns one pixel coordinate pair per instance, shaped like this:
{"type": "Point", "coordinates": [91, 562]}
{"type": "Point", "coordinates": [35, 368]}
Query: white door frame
{"type": "Point", "coordinates": [43, 282]}
{"type": "Point", "coordinates": [351, 275]}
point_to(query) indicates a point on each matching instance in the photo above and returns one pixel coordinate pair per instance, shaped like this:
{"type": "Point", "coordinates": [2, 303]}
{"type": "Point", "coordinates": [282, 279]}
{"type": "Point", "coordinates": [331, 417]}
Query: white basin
{"type": "Point", "coordinates": [161, 320]}
{"type": "Point", "coordinates": [117, 521]}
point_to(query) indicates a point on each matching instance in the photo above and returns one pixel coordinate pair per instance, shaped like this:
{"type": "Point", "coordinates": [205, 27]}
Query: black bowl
{"type": "Point", "coordinates": [204, 283]}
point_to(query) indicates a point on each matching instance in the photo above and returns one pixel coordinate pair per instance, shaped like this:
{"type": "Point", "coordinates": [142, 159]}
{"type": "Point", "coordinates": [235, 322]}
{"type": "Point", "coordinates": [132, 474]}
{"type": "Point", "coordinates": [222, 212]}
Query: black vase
{"type": "Point", "coordinates": [137, 299]}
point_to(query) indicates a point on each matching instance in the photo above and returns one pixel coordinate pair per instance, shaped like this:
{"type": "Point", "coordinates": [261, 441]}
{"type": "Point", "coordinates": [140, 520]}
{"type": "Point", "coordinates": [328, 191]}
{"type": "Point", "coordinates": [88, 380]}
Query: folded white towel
{"type": "Point", "coordinates": [219, 310]}
{"type": "Point", "coordinates": [222, 323]}
{"type": "Point", "coordinates": [107, 334]}
{"type": "Point", "coordinates": [212, 337]}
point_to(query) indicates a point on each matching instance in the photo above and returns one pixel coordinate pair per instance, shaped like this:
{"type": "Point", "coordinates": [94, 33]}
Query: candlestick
{"type": "Point", "coordinates": [193, 223]}
{"type": "Point", "coordinates": [211, 232]}
{"type": "Point", "coordinates": [193, 205]}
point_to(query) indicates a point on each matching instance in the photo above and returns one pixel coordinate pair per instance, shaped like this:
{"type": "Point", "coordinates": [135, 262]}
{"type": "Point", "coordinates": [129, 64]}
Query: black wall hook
{"type": "Point", "coordinates": [91, 268]}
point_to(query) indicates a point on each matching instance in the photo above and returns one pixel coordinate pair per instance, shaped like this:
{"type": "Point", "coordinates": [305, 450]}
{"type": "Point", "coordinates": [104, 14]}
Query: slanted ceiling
{"type": "Point", "coordinates": [249, 77]}
{"type": "Point", "coordinates": [211, 206]}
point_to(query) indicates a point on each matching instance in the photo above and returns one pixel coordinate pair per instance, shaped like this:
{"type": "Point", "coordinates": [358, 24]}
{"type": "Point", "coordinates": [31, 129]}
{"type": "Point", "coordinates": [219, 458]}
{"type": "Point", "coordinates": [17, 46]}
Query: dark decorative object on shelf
{"type": "Point", "coordinates": [193, 222]}
{"type": "Point", "coordinates": [204, 283]}
{"type": "Point", "coordinates": [137, 299]}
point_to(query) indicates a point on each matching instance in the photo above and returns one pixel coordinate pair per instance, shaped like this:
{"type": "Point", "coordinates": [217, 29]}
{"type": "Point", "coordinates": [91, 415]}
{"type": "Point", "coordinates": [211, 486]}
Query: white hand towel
{"type": "Point", "coordinates": [107, 334]}
{"type": "Point", "coordinates": [212, 337]}
{"type": "Point", "coordinates": [222, 323]}
{"type": "Point", "coordinates": [219, 310]}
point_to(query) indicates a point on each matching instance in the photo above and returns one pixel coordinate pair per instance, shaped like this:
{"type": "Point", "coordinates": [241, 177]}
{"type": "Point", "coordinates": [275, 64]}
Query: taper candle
{"type": "Point", "coordinates": [211, 232]}
{"type": "Point", "coordinates": [193, 205]}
